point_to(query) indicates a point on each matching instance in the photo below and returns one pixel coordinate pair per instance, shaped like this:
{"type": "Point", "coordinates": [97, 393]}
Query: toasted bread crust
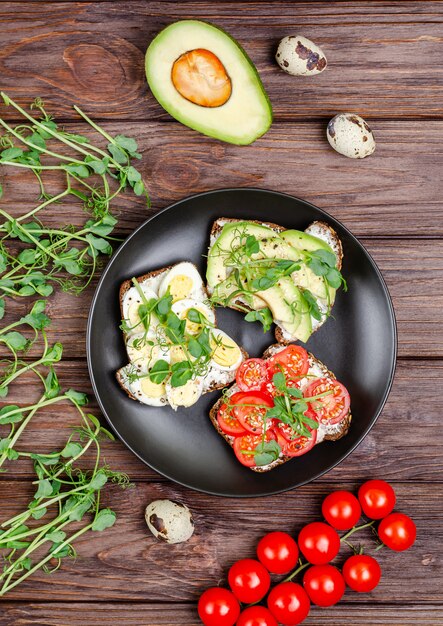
{"type": "Point", "coordinates": [344, 424]}
{"type": "Point", "coordinates": [238, 305]}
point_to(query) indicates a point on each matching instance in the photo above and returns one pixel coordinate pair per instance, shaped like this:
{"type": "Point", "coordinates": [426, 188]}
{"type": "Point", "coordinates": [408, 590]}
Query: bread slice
{"type": "Point", "coordinates": [153, 279]}
{"type": "Point", "coordinates": [318, 229]}
{"type": "Point", "coordinates": [324, 433]}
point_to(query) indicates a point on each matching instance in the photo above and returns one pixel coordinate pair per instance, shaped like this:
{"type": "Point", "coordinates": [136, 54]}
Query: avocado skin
{"type": "Point", "coordinates": [223, 135]}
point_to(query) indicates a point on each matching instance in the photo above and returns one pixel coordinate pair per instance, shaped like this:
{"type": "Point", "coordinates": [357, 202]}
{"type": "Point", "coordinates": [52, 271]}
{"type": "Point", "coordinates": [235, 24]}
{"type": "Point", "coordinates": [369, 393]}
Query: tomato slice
{"type": "Point", "coordinates": [294, 447]}
{"type": "Point", "coordinates": [250, 409]}
{"type": "Point", "coordinates": [228, 422]}
{"type": "Point", "coordinates": [271, 389]}
{"type": "Point", "coordinates": [252, 375]}
{"type": "Point", "coordinates": [293, 360]}
{"type": "Point", "coordinates": [248, 443]}
{"type": "Point", "coordinates": [332, 408]}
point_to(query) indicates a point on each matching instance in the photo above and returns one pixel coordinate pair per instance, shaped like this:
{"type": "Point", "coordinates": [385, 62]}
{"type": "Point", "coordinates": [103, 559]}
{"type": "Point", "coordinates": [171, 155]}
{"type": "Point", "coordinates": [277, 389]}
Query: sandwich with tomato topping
{"type": "Point", "coordinates": [280, 407]}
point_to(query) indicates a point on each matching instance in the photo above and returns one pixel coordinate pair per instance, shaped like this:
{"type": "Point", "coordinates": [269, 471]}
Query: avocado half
{"type": "Point", "coordinates": [188, 63]}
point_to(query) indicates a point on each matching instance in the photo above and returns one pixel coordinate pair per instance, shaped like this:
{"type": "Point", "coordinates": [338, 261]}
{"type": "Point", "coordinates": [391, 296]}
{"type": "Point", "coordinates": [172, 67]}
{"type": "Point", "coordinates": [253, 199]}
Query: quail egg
{"type": "Point", "coordinates": [351, 136]}
{"type": "Point", "coordinates": [169, 521]}
{"type": "Point", "coordinates": [299, 56]}
{"type": "Point", "coordinates": [183, 281]}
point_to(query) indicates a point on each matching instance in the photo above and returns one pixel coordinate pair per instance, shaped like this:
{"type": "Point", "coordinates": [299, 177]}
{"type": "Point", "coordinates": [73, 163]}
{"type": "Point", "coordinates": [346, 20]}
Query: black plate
{"type": "Point", "coordinates": [358, 344]}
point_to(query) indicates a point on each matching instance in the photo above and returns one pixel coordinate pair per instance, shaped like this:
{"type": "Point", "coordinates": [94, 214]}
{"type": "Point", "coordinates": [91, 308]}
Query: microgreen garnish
{"type": "Point", "coordinates": [67, 256]}
{"type": "Point", "coordinates": [251, 271]}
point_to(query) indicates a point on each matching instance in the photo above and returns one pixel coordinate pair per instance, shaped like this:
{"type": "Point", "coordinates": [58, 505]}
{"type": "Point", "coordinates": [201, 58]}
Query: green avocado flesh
{"type": "Point", "coordinates": [244, 117]}
{"type": "Point", "coordinates": [285, 299]}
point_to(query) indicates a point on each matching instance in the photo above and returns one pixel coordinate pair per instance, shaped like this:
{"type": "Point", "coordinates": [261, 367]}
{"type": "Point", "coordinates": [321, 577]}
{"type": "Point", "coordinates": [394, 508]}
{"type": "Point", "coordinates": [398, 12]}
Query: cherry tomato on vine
{"type": "Point", "coordinates": [278, 552]}
{"type": "Point", "coordinates": [218, 607]}
{"type": "Point", "coordinates": [289, 603]}
{"type": "Point", "coordinates": [249, 580]}
{"type": "Point", "coordinates": [362, 573]}
{"type": "Point", "coordinates": [397, 531]}
{"type": "Point", "coordinates": [341, 510]}
{"type": "Point", "coordinates": [324, 584]}
{"type": "Point", "coordinates": [252, 375]}
{"type": "Point", "coordinates": [377, 498]}
{"type": "Point", "coordinates": [319, 543]}
{"type": "Point", "coordinates": [256, 616]}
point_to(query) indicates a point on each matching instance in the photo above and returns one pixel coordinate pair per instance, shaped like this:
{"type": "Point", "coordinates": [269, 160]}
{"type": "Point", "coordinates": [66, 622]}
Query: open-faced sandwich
{"type": "Point", "coordinates": [280, 407]}
{"type": "Point", "coordinates": [288, 277]}
{"type": "Point", "coordinates": [176, 352]}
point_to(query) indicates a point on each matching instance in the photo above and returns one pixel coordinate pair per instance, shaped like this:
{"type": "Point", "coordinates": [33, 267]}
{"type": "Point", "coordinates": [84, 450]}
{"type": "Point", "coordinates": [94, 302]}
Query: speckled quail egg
{"type": "Point", "coordinates": [169, 521]}
{"type": "Point", "coordinates": [351, 136]}
{"type": "Point", "coordinates": [299, 56]}
{"type": "Point", "coordinates": [183, 281]}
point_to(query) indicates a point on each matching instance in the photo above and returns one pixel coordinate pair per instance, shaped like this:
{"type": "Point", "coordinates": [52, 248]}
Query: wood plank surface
{"type": "Point", "coordinates": [384, 58]}
{"type": "Point", "coordinates": [141, 614]}
{"type": "Point", "coordinates": [385, 63]}
{"type": "Point", "coordinates": [403, 445]}
{"type": "Point", "coordinates": [413, 271]}
{"type": "Point", "coordinates": [378, 196]}
{"type": "Point", "coordinates": [126, 563]}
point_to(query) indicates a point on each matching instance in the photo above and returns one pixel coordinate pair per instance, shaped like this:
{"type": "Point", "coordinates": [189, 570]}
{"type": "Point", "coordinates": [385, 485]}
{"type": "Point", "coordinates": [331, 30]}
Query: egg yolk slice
{"type": "Point", "coordinates": [186, 395]}
{"type": "Point", "coordinates": [200, 77]}
{"type": "Point", "coordinates": [180, 287]}
{"type": "Point", "coordinates": [152, 390]}
{"type": "Point", "coordinates": [225, 351]}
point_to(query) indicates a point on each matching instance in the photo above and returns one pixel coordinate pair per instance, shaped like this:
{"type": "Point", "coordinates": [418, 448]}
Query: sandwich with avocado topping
{"type": "Point", "coordinates": [275, 275]}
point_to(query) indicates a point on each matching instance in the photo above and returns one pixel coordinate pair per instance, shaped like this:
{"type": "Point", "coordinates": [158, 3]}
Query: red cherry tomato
{"type": "Point", "coordinates": [218, 607]}
{"type": "Point", "coordinates": [256, 616]}
{"type": "Point", "coordinates": [250, 409]}
{"type": "Point", "coordinates": [397, 531]}
{"type": "Point", "coordinates": [289, 603]}
{"type": "Point", "coordinates": [252, 375]}
{"type": "Point", "coordinates": [341, 510]}
{"type": "Point", "coordinates": [319, 543]}
{"type": "Point", "coordinates": [362, 573]}
{"type": "Point", "coordinates": [332, 408]}
{"type": "Point", "coordinates": [249, 580]}
{"type": "Point", "coordinates": [278, 552]}
{"type": "Point", "coordinates": [245, 445]}
{"type": "Point", "coordinates": [293, 361]}
{"type": "Point", "coordinates": [324, 584]}
{"type": "Point", "coordinates": [228, 422]}
{"type": "Point", "coordinates": [377, 498]}
{"type": "Point", "coordinates": [294, 446]}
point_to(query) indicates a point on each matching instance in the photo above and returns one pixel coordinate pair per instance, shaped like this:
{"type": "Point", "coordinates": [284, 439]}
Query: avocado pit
{"type": "Point", "coordinates": [200, 77]}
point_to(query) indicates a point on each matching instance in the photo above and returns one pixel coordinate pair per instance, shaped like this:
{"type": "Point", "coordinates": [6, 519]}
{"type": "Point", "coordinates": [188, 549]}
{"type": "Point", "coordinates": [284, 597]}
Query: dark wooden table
{"type": "Point", "coordinates": [385, 63]}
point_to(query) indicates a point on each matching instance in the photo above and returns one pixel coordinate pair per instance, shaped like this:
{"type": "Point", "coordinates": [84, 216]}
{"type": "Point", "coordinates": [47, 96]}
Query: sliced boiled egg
{"type": "Point", "coordinates": [182, 309]}
{"type": "Point", "coordinates": [226, 355]}
{"type": "Point", "coordinates": [130, 305]}
{"type": "Point", "coordinates": [183, 281]}
{"type": "Point", "coordinates": [143, 350]}
{"type": "Point", "coordinates": [142, 388]}
{"type": "Point", "coordinates": [186, 395]}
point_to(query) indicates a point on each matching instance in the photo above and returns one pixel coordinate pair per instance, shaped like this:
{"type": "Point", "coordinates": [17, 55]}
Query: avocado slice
{"type": "Point", "coordinates": [284, 300]}
{"type": "Point", "coordinates": [205, 80]}
{"type": "Point", "coordinates": [305, 277]}
{"type": "Point", "coordinates": [228, 240]}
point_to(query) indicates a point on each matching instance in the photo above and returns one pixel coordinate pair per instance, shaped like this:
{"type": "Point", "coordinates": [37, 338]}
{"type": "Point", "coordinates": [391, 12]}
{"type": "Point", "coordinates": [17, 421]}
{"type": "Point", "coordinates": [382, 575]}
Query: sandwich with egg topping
{"type": "Point", "coordinates": [176, 352]}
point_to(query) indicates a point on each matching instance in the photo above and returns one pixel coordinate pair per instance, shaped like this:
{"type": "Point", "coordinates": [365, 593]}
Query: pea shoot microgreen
{"type": "Point", "coordinates": [251, 271]}
{"type": "Point", "coordinates": [67, 256]}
